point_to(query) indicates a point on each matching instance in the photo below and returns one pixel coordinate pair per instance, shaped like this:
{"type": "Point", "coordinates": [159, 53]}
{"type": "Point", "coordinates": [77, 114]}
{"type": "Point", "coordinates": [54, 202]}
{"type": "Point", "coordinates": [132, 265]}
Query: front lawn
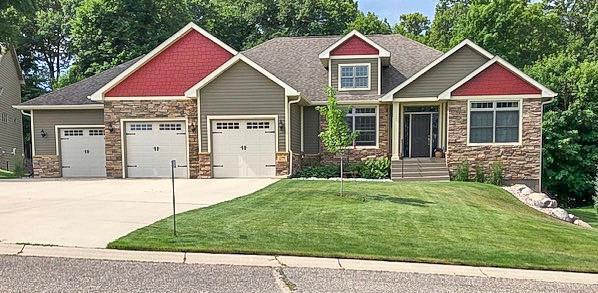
{"type": "Point", "coordinates": [456, 222]}
{"type": "Point", "coordinates": [587, 214]}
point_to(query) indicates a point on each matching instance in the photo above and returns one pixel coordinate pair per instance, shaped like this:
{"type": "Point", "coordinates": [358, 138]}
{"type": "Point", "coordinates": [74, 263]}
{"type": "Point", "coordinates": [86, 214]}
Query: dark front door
{"type": "Point", "coordinates": [420, 135]}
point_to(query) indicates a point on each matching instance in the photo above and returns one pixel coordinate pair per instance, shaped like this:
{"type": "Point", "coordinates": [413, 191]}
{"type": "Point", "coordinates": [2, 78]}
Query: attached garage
{"type": "Point", "coordinates": [150, 147]}
{"type": "Point", "coordinates": [82, 152]}
{"type": "Point", "coordinates": [243, 148]}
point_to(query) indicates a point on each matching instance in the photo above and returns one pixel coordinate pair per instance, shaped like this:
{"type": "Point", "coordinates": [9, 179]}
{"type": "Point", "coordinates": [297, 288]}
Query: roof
{"type": "Point", "coordinates": [78, 92]}
{"type": "Point", "coordinates": [295, 60]}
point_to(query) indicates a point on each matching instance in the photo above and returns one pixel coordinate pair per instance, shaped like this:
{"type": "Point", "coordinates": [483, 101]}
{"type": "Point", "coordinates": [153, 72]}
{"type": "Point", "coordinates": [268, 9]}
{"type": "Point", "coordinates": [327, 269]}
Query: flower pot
{"type": "Point", "coordinates": [439, 154]}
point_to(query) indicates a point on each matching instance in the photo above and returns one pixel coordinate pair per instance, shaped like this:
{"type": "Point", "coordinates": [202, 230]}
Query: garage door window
{"type": "Point", "coordinates": [96, 132]}
{"type": "Point", "coordinates": [258, 125]}
{"type": "Point", "coordinates": [141, 127]}
{"type": "Point", "coordinates": [227, 125]}
{"type": "Point", "coordinates": [73, 132]}
{"type": "Point", "coordinates": [170, 126]}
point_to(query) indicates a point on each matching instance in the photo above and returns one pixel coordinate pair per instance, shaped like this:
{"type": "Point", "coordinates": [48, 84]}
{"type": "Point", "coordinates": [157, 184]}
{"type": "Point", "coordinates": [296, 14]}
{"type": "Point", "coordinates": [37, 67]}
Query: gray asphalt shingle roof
{"type": "Point", "coordinates": [292, 59]}
{"type": "Point", "coordinates": [77, 93]}
{"type": "Point", "coordinates": [295, 61]}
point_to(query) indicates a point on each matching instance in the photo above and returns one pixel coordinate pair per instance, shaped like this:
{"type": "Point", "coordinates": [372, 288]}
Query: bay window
{"type": "Point", "coordinates": [363, 121]}
{"type": "Point", "coordinates": [494, 122]}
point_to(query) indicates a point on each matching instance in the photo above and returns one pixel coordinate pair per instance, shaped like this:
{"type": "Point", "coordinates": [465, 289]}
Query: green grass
{"type": "Point", "coordinates": [456, 223]}
{"type": "Point", "coordinates": [587, 214]}
{"type": "Point", "coordinates": [4, 174]}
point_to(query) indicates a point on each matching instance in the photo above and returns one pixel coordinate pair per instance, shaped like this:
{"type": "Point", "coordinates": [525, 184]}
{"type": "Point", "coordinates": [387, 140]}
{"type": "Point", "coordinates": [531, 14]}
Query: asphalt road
{"type": "Point", "coordinates": [41, 274]}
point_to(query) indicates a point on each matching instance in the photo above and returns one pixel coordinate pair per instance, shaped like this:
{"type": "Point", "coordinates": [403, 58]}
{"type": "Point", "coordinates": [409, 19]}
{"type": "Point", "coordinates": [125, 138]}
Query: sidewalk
{"type": "Point", "coordinates": [293, 261]}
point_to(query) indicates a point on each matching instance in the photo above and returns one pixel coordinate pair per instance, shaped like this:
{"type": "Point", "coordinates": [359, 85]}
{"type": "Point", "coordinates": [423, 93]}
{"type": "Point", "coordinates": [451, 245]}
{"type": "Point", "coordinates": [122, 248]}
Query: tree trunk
{"type": "Point", "coordinates": [341, 174]}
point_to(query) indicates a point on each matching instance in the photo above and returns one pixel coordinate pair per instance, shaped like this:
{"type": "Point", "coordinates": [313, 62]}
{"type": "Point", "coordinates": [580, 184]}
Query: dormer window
{"type": "Point", "coordinates": [354, 77]}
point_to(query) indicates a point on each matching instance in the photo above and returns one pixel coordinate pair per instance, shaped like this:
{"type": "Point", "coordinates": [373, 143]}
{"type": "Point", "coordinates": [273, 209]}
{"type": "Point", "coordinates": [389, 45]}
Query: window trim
{"type": "Point", "coordinates": [365, 147]}
{"type": "Point", "coordinates": [339, 77]}
{"type": "Point", "coordinates": [487, 100]}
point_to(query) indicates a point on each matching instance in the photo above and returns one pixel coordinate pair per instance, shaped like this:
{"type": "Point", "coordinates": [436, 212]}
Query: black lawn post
{"type": "Point", "coordinates": [172, 166]}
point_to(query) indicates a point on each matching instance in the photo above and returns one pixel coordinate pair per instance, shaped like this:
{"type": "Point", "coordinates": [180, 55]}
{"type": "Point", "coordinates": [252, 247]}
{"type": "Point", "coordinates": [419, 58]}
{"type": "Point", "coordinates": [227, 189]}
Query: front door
{"type": "Point", "coordinates": [420, 135]}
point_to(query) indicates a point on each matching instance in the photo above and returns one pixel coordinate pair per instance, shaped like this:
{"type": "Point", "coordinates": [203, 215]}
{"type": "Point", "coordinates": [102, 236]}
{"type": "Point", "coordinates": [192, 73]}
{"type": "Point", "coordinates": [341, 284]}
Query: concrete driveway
{"type": "Point", "coordinates": [91, 213]}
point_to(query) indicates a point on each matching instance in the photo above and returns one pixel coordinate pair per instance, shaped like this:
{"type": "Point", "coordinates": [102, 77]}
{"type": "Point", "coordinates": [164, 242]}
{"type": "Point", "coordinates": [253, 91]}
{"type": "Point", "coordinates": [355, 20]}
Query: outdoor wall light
{"type": "Point", "coordinates": [43, 133]}
{"type": "Point", "coordinates": [192, 127]}
{"type": "Point", "coordinates": [281, 125]}
{"type": "Point", "coordinates": [110, 127]}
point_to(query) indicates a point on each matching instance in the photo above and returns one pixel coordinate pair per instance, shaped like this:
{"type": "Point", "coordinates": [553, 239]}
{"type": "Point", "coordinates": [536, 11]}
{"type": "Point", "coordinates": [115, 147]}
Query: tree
{"type": "Point", "coordinates": [413, 25]}
{"type": "Point", "coordinates": [447, 14]}
{"type": "Point", "coordinates": [370, 23]}
{"type": "Point", "coordinates": [336, 136]}
{"type": "Point", "coordinates": [12, 15]}
{"type": "Point", "coordinates": [570, 128]}
{"type": "Point", "coordinates": [516, 30]}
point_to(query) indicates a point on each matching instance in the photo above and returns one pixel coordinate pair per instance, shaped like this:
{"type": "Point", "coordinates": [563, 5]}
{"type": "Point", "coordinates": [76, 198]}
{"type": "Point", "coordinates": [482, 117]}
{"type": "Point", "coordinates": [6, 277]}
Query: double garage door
{"type": "Point", "coordinates": [243, 148]}
{"type": "Point", "coordinates": [151, 146]}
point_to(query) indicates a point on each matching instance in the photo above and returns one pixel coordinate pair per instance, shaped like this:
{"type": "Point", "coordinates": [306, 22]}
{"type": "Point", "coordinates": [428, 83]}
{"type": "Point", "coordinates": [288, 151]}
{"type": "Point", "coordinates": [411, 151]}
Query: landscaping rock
{"type": "Point", "coordinates": [560, 214]}
{"type": "Point", "coordinates": [526, 191]}
{"type": "Point", "coordinates": [581, 223]}
{"type": "Point", "coordinates": [573, 218]}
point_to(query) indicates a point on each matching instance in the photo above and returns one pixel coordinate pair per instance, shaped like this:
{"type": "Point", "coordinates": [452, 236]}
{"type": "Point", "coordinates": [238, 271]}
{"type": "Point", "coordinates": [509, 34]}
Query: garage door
{"type": "Point", "coordinates": [244, 148]}
{"type": "Point", "coordinates": [150, 146]}
{"type": "Point", "coordinates": [82, 152]}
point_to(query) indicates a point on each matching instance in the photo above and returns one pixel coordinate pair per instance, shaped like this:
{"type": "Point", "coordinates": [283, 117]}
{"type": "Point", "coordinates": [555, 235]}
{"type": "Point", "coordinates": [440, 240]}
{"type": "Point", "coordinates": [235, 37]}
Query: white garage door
{"type": "Point", "coordinates": [244, 148]}
{"type": "Point", "coordinates": [82, 152]}
{"type": "Point", "coordinates": [150, 146]}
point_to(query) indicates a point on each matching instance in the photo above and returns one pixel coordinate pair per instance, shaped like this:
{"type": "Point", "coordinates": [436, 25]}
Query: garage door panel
{"type": "Point", "coordinates": [243, 148]}
{"type": "Point", "coordinates": [150, 147]}
{"type": "Point", "coordinates": [82, 152]}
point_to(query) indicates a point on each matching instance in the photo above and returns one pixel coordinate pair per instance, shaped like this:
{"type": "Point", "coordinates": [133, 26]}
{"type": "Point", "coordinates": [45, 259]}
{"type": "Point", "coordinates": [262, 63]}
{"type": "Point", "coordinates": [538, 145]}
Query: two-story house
{"type": "Point", "coordinates": [11, 124]}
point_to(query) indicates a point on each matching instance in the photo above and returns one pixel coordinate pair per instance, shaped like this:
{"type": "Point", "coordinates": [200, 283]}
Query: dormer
{"type": "Point", "coordinates": [354, 64]}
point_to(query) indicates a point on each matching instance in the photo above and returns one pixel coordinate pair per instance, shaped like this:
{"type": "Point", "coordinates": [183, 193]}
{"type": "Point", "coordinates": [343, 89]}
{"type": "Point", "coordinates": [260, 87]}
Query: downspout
{"type": "Point", "coordinates": [288, 135]}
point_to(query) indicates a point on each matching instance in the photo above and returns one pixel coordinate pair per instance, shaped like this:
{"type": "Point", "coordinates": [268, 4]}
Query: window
{"type": "Point", "coordinates": [258, 125]}
{"type": "Point", "coordinates": [494, 122]}
{"type": "Point", "coordinates": [363, 121]}
{"type": "Point", "coordinates": [96, 132]}
{"type": "Point", "coordinates": [227, 125]}
{"type": "Point", "coordinates": [354, 77]}
{"type": "Point", "coordinates": [141, 127]}
{"type": "Point", "coordinates": [73, 132]}
{"type": "Point", "coordinates": [170, 126]}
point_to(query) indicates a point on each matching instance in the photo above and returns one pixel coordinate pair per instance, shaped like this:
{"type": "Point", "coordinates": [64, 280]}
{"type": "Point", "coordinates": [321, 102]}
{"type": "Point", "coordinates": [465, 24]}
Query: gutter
{"type": "Point", "coordinates": [58, 107]}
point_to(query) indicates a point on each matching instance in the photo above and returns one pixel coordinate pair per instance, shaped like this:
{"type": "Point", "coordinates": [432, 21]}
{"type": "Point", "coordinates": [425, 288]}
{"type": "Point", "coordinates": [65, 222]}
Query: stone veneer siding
{"type": "Point", "coordinates": [47, 166]}
{"type": "Point", "coordinates": [357, 154]}
{"type": "Point", "coordinates": [282, 164]}
{"type": "Point", "coordinates": [114, 111]}
{"type": "Point", "coordinates": [205, 165]}
{"type": "Point", "coordinates": [521, 163]}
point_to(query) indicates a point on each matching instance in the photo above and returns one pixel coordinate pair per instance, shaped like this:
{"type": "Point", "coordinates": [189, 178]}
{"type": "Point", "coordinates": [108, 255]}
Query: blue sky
{"type": "Point", "coordinates": [392, 9]}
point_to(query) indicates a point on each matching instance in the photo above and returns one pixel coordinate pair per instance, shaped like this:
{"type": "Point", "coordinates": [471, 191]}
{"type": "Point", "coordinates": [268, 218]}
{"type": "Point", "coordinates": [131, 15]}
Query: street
{"type": "Point", "coordinates": [37, 274]}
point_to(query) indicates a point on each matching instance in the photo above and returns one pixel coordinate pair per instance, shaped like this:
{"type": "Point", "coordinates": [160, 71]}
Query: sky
{"type": "Point", "coordinates": [392, 9]}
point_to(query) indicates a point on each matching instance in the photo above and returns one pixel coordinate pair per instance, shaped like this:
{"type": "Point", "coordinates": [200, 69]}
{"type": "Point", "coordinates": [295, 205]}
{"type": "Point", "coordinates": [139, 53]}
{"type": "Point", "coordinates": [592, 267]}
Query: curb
{"type": "Point", "coordinates": [295, 262]}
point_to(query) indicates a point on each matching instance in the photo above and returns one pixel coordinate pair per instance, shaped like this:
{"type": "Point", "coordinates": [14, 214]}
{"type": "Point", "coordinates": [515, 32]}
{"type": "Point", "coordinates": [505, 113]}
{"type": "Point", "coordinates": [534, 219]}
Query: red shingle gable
{"type": "Point", "coordinates": [354, 46]}
{"type": "Point", "coordinates": [174, 70]}
{"type": "Point", "coordinates": [496, 80]}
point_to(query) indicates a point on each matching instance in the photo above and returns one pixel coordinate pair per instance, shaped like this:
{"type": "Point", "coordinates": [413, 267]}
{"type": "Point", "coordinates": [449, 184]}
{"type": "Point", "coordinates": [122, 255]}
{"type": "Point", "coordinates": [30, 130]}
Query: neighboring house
{"type": "Point", "coordinates": [223, 113]}
{"type": "Point", "coordinates": [11, 124]}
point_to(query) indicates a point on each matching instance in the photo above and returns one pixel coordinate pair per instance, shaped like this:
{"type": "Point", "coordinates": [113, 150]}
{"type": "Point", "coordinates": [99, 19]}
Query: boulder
{"type": "Point", "coordinates": [573, 218]}
{"type": "Point", "coordinates": [519, 187]}
{"type": "Point", "coordinates": [552, 204]}
{"type": "Point", "coordinates": [526, 191]}
{"type": "Point", "coordinates": [560, 214]}
{"type": "Point", "coordinates": [581, 223]}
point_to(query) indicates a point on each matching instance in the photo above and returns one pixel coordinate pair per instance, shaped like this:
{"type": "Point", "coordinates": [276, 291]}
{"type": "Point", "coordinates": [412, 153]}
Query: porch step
{"type": "Point", "coordinates": [427, 169]}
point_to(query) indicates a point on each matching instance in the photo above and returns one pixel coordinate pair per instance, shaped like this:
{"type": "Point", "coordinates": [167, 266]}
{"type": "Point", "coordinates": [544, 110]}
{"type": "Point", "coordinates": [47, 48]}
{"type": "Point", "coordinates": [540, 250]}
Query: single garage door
{"type": "Point", "coordinates": [244, 148]}
{"type": "Point", "coordinates": [82, 152]}
{"type": "Point", "coordinates": [150, 146]}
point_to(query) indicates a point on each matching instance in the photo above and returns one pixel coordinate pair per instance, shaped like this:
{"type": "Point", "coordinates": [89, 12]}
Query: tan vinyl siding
{"type": "Point", "coordinates": [373, 75]}
{"type": "Point", "coordinates": [295, 128]}
{"type": "Point", "coordinates": [311, 130]}
{"type": "Point", "coordinates": [241, 90]}
{"type": "Point", "coordinates": [11, 131]}
{"type": "Point", "coordinates": [444, 75]}
{"type": "Point", "coordinates": [47, 119]}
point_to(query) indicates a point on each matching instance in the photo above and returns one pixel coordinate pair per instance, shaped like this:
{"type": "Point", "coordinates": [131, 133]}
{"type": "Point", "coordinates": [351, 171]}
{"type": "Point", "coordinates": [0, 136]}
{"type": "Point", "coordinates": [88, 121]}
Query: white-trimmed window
{"type": "Point", "coordinates": [354, 76]}
{"type": "Point", "coordinates": [494, 122]}
{"type": "Point", "coordinates": [363, 121]}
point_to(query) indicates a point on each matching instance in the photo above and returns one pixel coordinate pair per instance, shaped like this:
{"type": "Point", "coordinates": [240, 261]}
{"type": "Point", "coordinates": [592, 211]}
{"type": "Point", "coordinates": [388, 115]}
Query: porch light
{"type": "Point", "coordinates": [192, 127]}
{"type": "Point", "coordinates": [43, 133]}
{"type": "Point", "coordinates": [110, 127]}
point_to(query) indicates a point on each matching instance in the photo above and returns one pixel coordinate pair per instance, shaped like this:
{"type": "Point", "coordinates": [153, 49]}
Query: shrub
{"type": "Point", "coordinates": [322, 171]}
{"type": "Point", "coordinates": [479, 174]}
{"type": "Point", "coordinates": [595, 196]}
{"type": "Point", "coordinates": [373, 168]}
{"type": "Point", "coordinates": [462, 173]}
{"type": "Point", "coordinates": [19, 168]}
{"type": "Point", "coordinates": [496, 175]}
